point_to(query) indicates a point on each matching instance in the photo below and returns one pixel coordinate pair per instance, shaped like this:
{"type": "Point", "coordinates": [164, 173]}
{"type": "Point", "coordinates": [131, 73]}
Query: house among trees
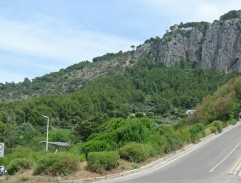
{"type": "Point", "coordinates": [190, 111]}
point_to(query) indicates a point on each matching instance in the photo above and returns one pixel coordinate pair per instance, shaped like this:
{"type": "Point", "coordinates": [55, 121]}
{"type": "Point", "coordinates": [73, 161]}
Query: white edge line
{"type": "Point", "coordinates": [156, 167]}
{"type": "Point", "coordinates": [225, 158]}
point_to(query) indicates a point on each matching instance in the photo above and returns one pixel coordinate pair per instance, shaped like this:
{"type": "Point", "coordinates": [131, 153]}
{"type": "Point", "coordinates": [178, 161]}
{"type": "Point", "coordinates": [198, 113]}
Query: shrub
{"type": "Point", "coordinates": [158, 143]}
{"type": "Point", "coordinates": [16, 153]}
{"type": "Point", "coordinates": [139, 114]}
{"type": "Point", "coordinates": [135, 130]}
{"type": "Point", "coordinates": [197, 131]}
{"type": "Point", "coordinates": [61, 135]}
{"type": "Point", "coordinates": [150, 114]}
{"type": "Point", "coordinates": [213, 129]}
{"type": "Point", "coordinates": [118, 132]}
{"type": "Point", "coordinates": [57, 164]}
{"type": "Point", "coordinates": [218, 125]}
{"type": "Point", "coordinates": [172, 138]}
{"type": "Point", "coordinates": [95, 146]}
{"type": "Point", "coordinates": [82, 158]}
{"type": "Point", "coordinates": [224, 124]}
{"type": "Point", "coordinates": [75, 149]}
{"type": "Point", "coordinates": [135, 152]}
{"type": "Point", "coordinates": [184, 135]}
{"type": "Point", "coordinates": [17, 165]}
{"type": "Point", "coordinates": [232, 121]}
{"type": "Point", "coordinates": [172, 142]}
{"type": "Point", "coordinates": [100, 161]}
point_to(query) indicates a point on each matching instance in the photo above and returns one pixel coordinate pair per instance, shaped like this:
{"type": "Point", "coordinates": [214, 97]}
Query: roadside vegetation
{"type": "Point", "coordinates": [131, 117]}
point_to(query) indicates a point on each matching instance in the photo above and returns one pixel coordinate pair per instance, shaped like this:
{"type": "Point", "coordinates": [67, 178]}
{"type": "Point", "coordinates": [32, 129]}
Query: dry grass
{"type": "Point", "coordinates": [27, 177]}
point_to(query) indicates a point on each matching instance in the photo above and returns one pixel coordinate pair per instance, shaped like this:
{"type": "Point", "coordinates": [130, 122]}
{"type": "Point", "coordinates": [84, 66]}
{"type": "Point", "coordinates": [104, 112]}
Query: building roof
{"type": "Point", "coordinates": [57, 144]}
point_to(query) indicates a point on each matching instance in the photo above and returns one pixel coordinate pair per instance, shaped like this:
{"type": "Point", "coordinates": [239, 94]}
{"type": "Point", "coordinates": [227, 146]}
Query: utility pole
{"type": "Point", "coordinates": [47, 138]}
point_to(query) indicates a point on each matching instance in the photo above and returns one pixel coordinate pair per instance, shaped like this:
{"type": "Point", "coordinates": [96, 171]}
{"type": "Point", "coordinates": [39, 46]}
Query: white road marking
{"type": "Point", "coordinates": [158, 166]}
{"type": "Point", "coordinates": [224, 158]}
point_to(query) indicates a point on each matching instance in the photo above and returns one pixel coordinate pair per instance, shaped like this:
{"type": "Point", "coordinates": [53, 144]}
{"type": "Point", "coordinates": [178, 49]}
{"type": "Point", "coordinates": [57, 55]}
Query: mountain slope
{"type": "Point", "coordinates": [66, 80]}
{"type": "Point", "coordinates": [223, 105]}
{"type": "Point", "coordinates": [162, 93]}
{"type": "Point", "coordinates": [214, 46]}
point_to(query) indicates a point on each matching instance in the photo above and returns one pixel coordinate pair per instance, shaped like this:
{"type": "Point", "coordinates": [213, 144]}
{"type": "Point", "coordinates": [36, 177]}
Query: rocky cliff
{"type": "Point", "coordinates": [214, 46]}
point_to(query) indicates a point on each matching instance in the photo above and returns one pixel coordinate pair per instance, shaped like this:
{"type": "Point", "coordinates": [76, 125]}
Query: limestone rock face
{"type": "Point", "coordinates": [222, 46]}
{"type": "Point", "coordinates": [181, 47]}
{"type": "Point", "coordinates": [214, 46]}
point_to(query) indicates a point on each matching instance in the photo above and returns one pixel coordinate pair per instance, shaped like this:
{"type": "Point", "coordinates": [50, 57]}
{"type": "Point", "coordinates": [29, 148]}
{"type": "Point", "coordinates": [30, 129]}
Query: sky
{"type": "Point", "coordinates": [42, 36]}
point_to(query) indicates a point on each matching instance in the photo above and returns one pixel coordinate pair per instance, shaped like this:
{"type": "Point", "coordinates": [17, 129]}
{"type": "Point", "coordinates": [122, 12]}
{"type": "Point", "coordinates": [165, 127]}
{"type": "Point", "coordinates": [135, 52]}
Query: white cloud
{"type": "Point", "coordinates": [60, 42]}
{"type": "Point", "coordinates": [48, 45]}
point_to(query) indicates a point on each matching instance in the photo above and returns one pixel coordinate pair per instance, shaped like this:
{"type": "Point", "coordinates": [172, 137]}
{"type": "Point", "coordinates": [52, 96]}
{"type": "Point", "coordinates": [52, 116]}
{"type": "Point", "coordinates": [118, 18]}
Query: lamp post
{"type": "Point", "coordinates": [47, 140]}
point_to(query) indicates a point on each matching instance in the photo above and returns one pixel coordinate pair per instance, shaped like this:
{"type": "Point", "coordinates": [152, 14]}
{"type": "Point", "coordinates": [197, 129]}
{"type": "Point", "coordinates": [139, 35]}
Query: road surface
{"type": "Point", "coordinates": [217, 161]}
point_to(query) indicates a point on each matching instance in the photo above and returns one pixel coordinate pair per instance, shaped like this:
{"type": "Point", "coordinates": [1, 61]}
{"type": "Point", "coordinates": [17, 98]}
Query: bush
{"type": "Point", "coordinates": [213, 129]}
{"type": "Point", "coordinates": [61, 135]}
{"type": "Point", "coordinates": [158, 143]}
{"type": "Point", "coordinates": [100, 161]}
{"type": "Point", "coordinates": [16, 153]}
{"type": "Point", "coordinates": [172, 142]}
{"type": "Point", "coordinates": [197, 131]}
{"type": "Point", "coordinates": [75, 149]}
{"type": "Point", "coordinates": [218, 125]}
{"type": "Point", "coordinates": [184, 135]}
{"type": "Point", "coordinates": [17, 165]}
{"type": "Point", "coordinates": [139, 114]}
{"type": "Point", "coordinates": [57, 164]}
{"type": "Point", "coordinates": [82, 158]}
{"type": "Point", "coordinates": [135, 130]}
{"type": "Point", "coordinates": [232, 121]}
{"type": "Point", "coordinates": [118, 132]}
{"type": "Point", "coordinates": [172, 138]}
{"type": "Point", "coordinates": [95, 146]}
{"type": "Point", "coordinates": [135, 152]}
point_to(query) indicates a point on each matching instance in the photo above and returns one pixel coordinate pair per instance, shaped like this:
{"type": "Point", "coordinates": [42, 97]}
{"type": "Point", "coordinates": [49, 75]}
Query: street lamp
{"type": "Point", "coordinates": [47, 140]}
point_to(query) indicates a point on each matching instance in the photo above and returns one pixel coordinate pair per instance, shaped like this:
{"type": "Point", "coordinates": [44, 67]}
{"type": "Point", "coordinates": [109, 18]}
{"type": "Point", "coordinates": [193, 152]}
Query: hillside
{"type": "Point", "coordinates": [224, 104]}
{"type": "Point", "coordinates": [211, 45]}
{"type": "Point", "coordinates": [124, 108]}
{"type": "Point", "coordinates": [66, 80]}
{"type": "Point", "coordinates": [97, 120]}
{"type": "Point", "coordinates": [163, 93]}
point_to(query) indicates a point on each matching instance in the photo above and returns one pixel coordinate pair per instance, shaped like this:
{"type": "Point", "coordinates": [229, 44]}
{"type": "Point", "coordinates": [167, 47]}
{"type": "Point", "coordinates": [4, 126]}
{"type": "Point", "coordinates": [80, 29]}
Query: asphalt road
{"type": "Point", "coordinates": [214, 162]}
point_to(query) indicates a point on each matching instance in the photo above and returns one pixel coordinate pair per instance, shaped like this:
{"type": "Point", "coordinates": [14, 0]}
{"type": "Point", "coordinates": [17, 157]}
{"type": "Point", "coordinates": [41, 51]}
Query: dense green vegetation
{"type": "Point", "coordinates": [148, 88]}
{"type": "Point", "coordinates": [223, 105]}
{"type": "Point", "coordinates": [56, 164]}
{"type": "Point", "coordinates": [133, 115]}
{"type": "Point", "coordinates": [108, 56]}
{"type": "Point", "coordinates": [47, 84]}
{"type": "Point", "coordinates": [115, 109]}
{"type": "Point", "coordinates": [201, 26]}
{"type": "Point", "coordinates": [101, 161]}
{"type": "Point", "coordinates": [230, 15]}
{"type": "Point", "coordinates": [135, 152]}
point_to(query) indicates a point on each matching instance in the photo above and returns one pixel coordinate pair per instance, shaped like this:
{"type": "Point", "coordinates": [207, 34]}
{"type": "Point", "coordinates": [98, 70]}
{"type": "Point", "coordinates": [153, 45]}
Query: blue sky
{"type": "Point", "coordinates": [42, 36]}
